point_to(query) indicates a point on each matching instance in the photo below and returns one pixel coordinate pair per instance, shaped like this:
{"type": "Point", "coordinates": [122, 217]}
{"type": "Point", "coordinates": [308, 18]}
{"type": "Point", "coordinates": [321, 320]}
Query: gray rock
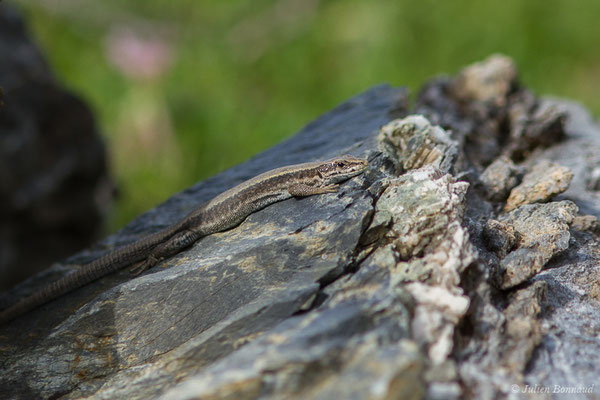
{"type": "Point", "coordinates": [361, 331]}
{"type": "Point", "coordinates": [228, 289]}
{"type": "Point", "coordinates": [418, 261]}
{"type": "Point", "coordinates": [569, 353]}
{"type": "Point", "coordinates": [585, 223]}
{"type": "Point", "coordinates": [553, 326]}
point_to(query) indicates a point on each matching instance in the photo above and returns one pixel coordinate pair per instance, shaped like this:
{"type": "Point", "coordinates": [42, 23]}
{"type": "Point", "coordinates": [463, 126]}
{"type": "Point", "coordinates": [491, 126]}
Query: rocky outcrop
{"type": "Point", "coordinates": [460, 265]}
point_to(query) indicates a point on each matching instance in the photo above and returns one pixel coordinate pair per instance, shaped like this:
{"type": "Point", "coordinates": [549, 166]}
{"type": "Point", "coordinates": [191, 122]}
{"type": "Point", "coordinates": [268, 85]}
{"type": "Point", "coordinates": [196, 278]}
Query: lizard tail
{"type": "Point", "coordinates": [53, 290]}
{"type": "Point", "coordinates": [98, 268]}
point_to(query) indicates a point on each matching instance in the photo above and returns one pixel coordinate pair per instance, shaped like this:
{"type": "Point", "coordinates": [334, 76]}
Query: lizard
{"type": "Point", "coordinates": [224, 212]}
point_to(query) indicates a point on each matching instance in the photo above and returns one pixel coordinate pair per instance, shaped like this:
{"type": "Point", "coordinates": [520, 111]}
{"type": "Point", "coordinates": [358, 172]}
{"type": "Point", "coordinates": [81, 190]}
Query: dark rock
{"type": "Point", "coordinates": [500, 237]}
{"type": "Point", "coordinates": [532, 125]}
{"type": "Point", "coordinates": [426, 249]}
{"type": "Point", "coordinates": [499, 178]}
{"type": "Point", "coordinates": [545, 347]}
{"type": "Point", "coordinates": [349, 347]}
{"type": "Point", "coordinates": [522, 326]}
{"type": "Point", "coordinates": [54, 187]}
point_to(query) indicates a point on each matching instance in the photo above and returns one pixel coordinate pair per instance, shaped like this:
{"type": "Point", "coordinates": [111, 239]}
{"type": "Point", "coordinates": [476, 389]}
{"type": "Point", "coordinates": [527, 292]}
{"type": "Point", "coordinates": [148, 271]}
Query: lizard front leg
{"type": "Point", "coordinates": [166, 249]}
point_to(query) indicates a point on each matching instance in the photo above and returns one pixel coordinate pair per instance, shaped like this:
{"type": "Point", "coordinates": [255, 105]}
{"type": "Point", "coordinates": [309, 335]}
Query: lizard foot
{"type": "Point", "coordinates": [145, 265]}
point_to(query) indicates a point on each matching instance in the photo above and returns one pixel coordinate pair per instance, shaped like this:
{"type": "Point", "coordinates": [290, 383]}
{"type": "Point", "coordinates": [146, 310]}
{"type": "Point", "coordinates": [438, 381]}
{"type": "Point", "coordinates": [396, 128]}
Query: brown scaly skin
{"type": "Point", "coordinates": [224, 212]}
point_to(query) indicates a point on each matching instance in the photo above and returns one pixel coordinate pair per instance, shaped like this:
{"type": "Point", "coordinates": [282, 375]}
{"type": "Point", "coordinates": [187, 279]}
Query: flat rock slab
{"type": "Point", "coordinates": [229, 288]}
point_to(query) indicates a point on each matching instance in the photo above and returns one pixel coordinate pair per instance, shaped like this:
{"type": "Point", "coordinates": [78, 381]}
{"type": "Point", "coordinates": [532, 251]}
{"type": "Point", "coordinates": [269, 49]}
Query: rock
{"type": "Point", "coordinates": [351, 330]}
{"type": "Point", "coordinates": [533, 124]}
{"type": "Point", "coordinates": [415, 222]}
{"type": "Point", "coordinates": [499, 178]}
{"type": "Point", "coordinates": [426, 250]}
{"type": "Point", "coordinates": [594, 179]}
{"type": "Point", "coordinates": [489, 82]}
{"type": "Point", "coordinates": [492, 362]}
{"type": "Point", "coordinates": [522, 325]}
{"type": "Point", "coordinates": [413, 142]}
{"type": "Point", "coordinates": [506, 119]}
{"type": "Point", "coordinates": [490, 114]}
{"type": "Point", "coordinates": [500, 237]}
{"type": "Point", "coordinates": [54, 184]}
{"type": "Point", "coordinates": [545, 180]}
{"type": "Point", "coordinates": [399, 286]}
{"type": "Point", "coordinates": [228, 289]}
{"type": "Point", "coordinates": [585, 223]}
{"type": "Point", "coordinates": [543, 232]}
{"type": "Point", "coordinates": [543, 225]}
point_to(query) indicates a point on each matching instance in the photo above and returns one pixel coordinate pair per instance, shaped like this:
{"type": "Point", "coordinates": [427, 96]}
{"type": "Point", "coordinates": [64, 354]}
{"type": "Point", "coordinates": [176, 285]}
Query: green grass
{"type": "Point", "coordinates": [248, 74]}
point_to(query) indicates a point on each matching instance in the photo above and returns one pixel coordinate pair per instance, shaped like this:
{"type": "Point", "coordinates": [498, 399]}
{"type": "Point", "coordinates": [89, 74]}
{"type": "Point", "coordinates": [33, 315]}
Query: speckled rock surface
{"type": "Point", "coordinates": [545, 180]}
{"type": "Point", "coordinates": [542, 231]}
{"type": "Point", "coordinates": [412, 282]}
{"type": "Point", "coordinates": [413, 142]}
{"type": "Point", "coordinates": [532, 314]}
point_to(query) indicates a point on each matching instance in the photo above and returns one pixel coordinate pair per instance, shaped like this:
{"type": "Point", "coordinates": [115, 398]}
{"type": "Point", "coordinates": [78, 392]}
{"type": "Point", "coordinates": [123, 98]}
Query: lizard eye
{"type": "Point", "coordinates": [340, 164]}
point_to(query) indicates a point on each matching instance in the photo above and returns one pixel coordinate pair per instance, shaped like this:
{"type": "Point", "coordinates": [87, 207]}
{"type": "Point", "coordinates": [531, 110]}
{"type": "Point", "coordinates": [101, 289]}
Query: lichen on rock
{"type": "Point", "coordinates": [413, 142]}
{"type": "Point", "coordinates": [426, 250]}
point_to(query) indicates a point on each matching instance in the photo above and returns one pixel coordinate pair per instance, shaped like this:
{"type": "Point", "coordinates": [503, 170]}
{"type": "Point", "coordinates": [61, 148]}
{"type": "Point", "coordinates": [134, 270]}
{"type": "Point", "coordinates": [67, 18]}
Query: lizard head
{"type": "Point", "coordinates": [341, 168]}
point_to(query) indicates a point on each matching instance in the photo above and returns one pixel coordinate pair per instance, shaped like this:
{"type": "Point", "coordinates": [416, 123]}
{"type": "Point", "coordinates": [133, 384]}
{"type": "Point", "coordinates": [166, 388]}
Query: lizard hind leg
{"type": "Point", "coordinates": [145, 265]}
{"type": "Point", "coordinates": [172, 246]}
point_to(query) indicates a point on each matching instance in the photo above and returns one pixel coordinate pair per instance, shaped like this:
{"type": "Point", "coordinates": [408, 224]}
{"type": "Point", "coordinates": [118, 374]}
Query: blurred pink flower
{"type": "Point", "coordinates": [137, 55]}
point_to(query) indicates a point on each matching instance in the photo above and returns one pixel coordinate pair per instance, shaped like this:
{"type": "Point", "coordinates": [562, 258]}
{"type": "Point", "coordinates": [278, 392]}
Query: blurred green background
{"type": "Point", "coordinates": [185, 88]}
